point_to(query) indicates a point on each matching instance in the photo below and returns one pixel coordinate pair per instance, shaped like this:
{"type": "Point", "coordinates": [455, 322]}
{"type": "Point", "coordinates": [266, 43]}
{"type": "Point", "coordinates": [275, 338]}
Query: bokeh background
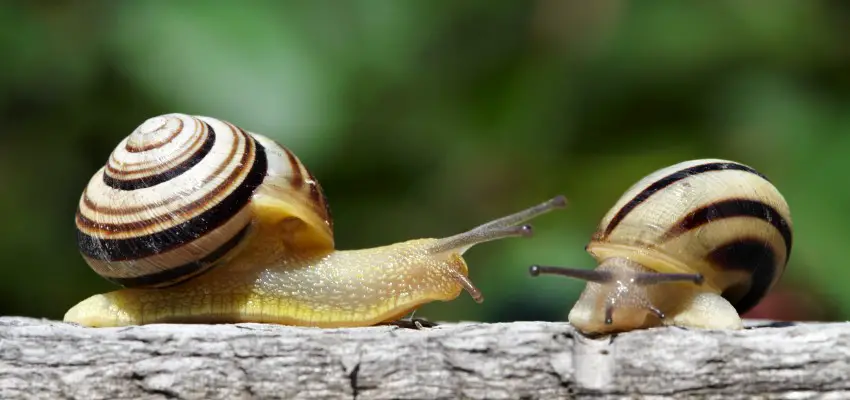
{"type": "Point", "coordinates": [423, 119]}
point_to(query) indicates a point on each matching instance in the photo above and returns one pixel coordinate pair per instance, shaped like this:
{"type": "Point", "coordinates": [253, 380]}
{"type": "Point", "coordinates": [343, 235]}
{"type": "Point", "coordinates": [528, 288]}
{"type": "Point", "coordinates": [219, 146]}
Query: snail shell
{"type": "Point", "coordinates": [719, 218]}
{"type": "Point", "coordinates": [171, 202]}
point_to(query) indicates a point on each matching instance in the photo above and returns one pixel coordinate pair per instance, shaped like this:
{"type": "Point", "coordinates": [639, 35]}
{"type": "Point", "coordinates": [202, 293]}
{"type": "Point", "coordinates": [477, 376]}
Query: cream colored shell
{"type": "Point", "coordinates": [715, 217]}
{"type": "Point", "coordinates": [175, 199]}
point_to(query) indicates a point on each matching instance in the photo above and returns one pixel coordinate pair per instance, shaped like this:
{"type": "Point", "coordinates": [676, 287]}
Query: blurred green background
{"type": "Point", "coordinates": [423, 119]}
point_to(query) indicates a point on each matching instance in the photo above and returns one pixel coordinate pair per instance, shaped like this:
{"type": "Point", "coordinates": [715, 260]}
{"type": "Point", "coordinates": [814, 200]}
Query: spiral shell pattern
{"type": "Point", "coordinates": [711, 215]}
{"type": "Point", "coordinates": [171, 200]}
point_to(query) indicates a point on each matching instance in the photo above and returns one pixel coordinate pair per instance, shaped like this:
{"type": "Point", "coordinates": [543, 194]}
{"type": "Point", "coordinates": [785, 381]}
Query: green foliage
{"type": "Point", "coordinates": [423, 119]}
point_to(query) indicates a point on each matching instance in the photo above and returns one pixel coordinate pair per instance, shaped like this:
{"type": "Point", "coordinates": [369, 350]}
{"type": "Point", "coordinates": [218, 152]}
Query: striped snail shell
{"type": "Point", "coordinates": [694, 244]}
{"type": "Point", "coordinates": [172, 200]}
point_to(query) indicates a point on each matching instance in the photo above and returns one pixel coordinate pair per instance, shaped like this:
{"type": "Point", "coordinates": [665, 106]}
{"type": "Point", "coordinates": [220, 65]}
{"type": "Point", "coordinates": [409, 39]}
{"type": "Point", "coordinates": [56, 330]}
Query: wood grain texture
{"type": "Point", "coordinates": [521, 360]}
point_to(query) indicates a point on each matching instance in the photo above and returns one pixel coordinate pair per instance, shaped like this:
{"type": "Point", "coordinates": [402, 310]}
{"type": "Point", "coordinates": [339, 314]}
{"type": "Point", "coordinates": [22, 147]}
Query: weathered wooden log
{"type": "Point", "coordinates": [521, 360]}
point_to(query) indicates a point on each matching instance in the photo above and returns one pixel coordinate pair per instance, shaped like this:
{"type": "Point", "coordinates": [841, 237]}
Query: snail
{"type": "Point", "coordinates": [203, 222]}
{"type": "Point", "coordinates": [693, 245]}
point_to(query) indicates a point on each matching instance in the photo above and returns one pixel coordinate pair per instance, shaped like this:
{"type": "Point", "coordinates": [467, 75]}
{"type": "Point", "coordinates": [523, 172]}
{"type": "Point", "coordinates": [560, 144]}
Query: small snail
{"type": "Point", "coordinates": [691, 245]}
{"type": "Point", "coordinates": [202, 221]}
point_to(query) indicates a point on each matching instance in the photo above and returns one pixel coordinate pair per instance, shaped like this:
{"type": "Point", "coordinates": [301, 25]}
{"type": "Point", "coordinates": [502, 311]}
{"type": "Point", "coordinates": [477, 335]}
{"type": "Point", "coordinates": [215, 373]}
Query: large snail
{"type": "Point", "coordinates": [202, 221]}
{"type": "Point", "coordinates": [694, 244]}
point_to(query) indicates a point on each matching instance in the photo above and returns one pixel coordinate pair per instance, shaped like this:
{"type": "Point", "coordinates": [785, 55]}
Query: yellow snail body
{"type": "Point", "coordinates": [694, 244]}
{"type": "Point", "coordinates": [203, 222]}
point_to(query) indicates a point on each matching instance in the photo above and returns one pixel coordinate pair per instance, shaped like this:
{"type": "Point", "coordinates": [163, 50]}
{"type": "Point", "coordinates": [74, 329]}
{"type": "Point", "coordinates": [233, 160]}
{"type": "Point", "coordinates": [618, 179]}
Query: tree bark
{"type": "Point", "coordinates": [520, 360]}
